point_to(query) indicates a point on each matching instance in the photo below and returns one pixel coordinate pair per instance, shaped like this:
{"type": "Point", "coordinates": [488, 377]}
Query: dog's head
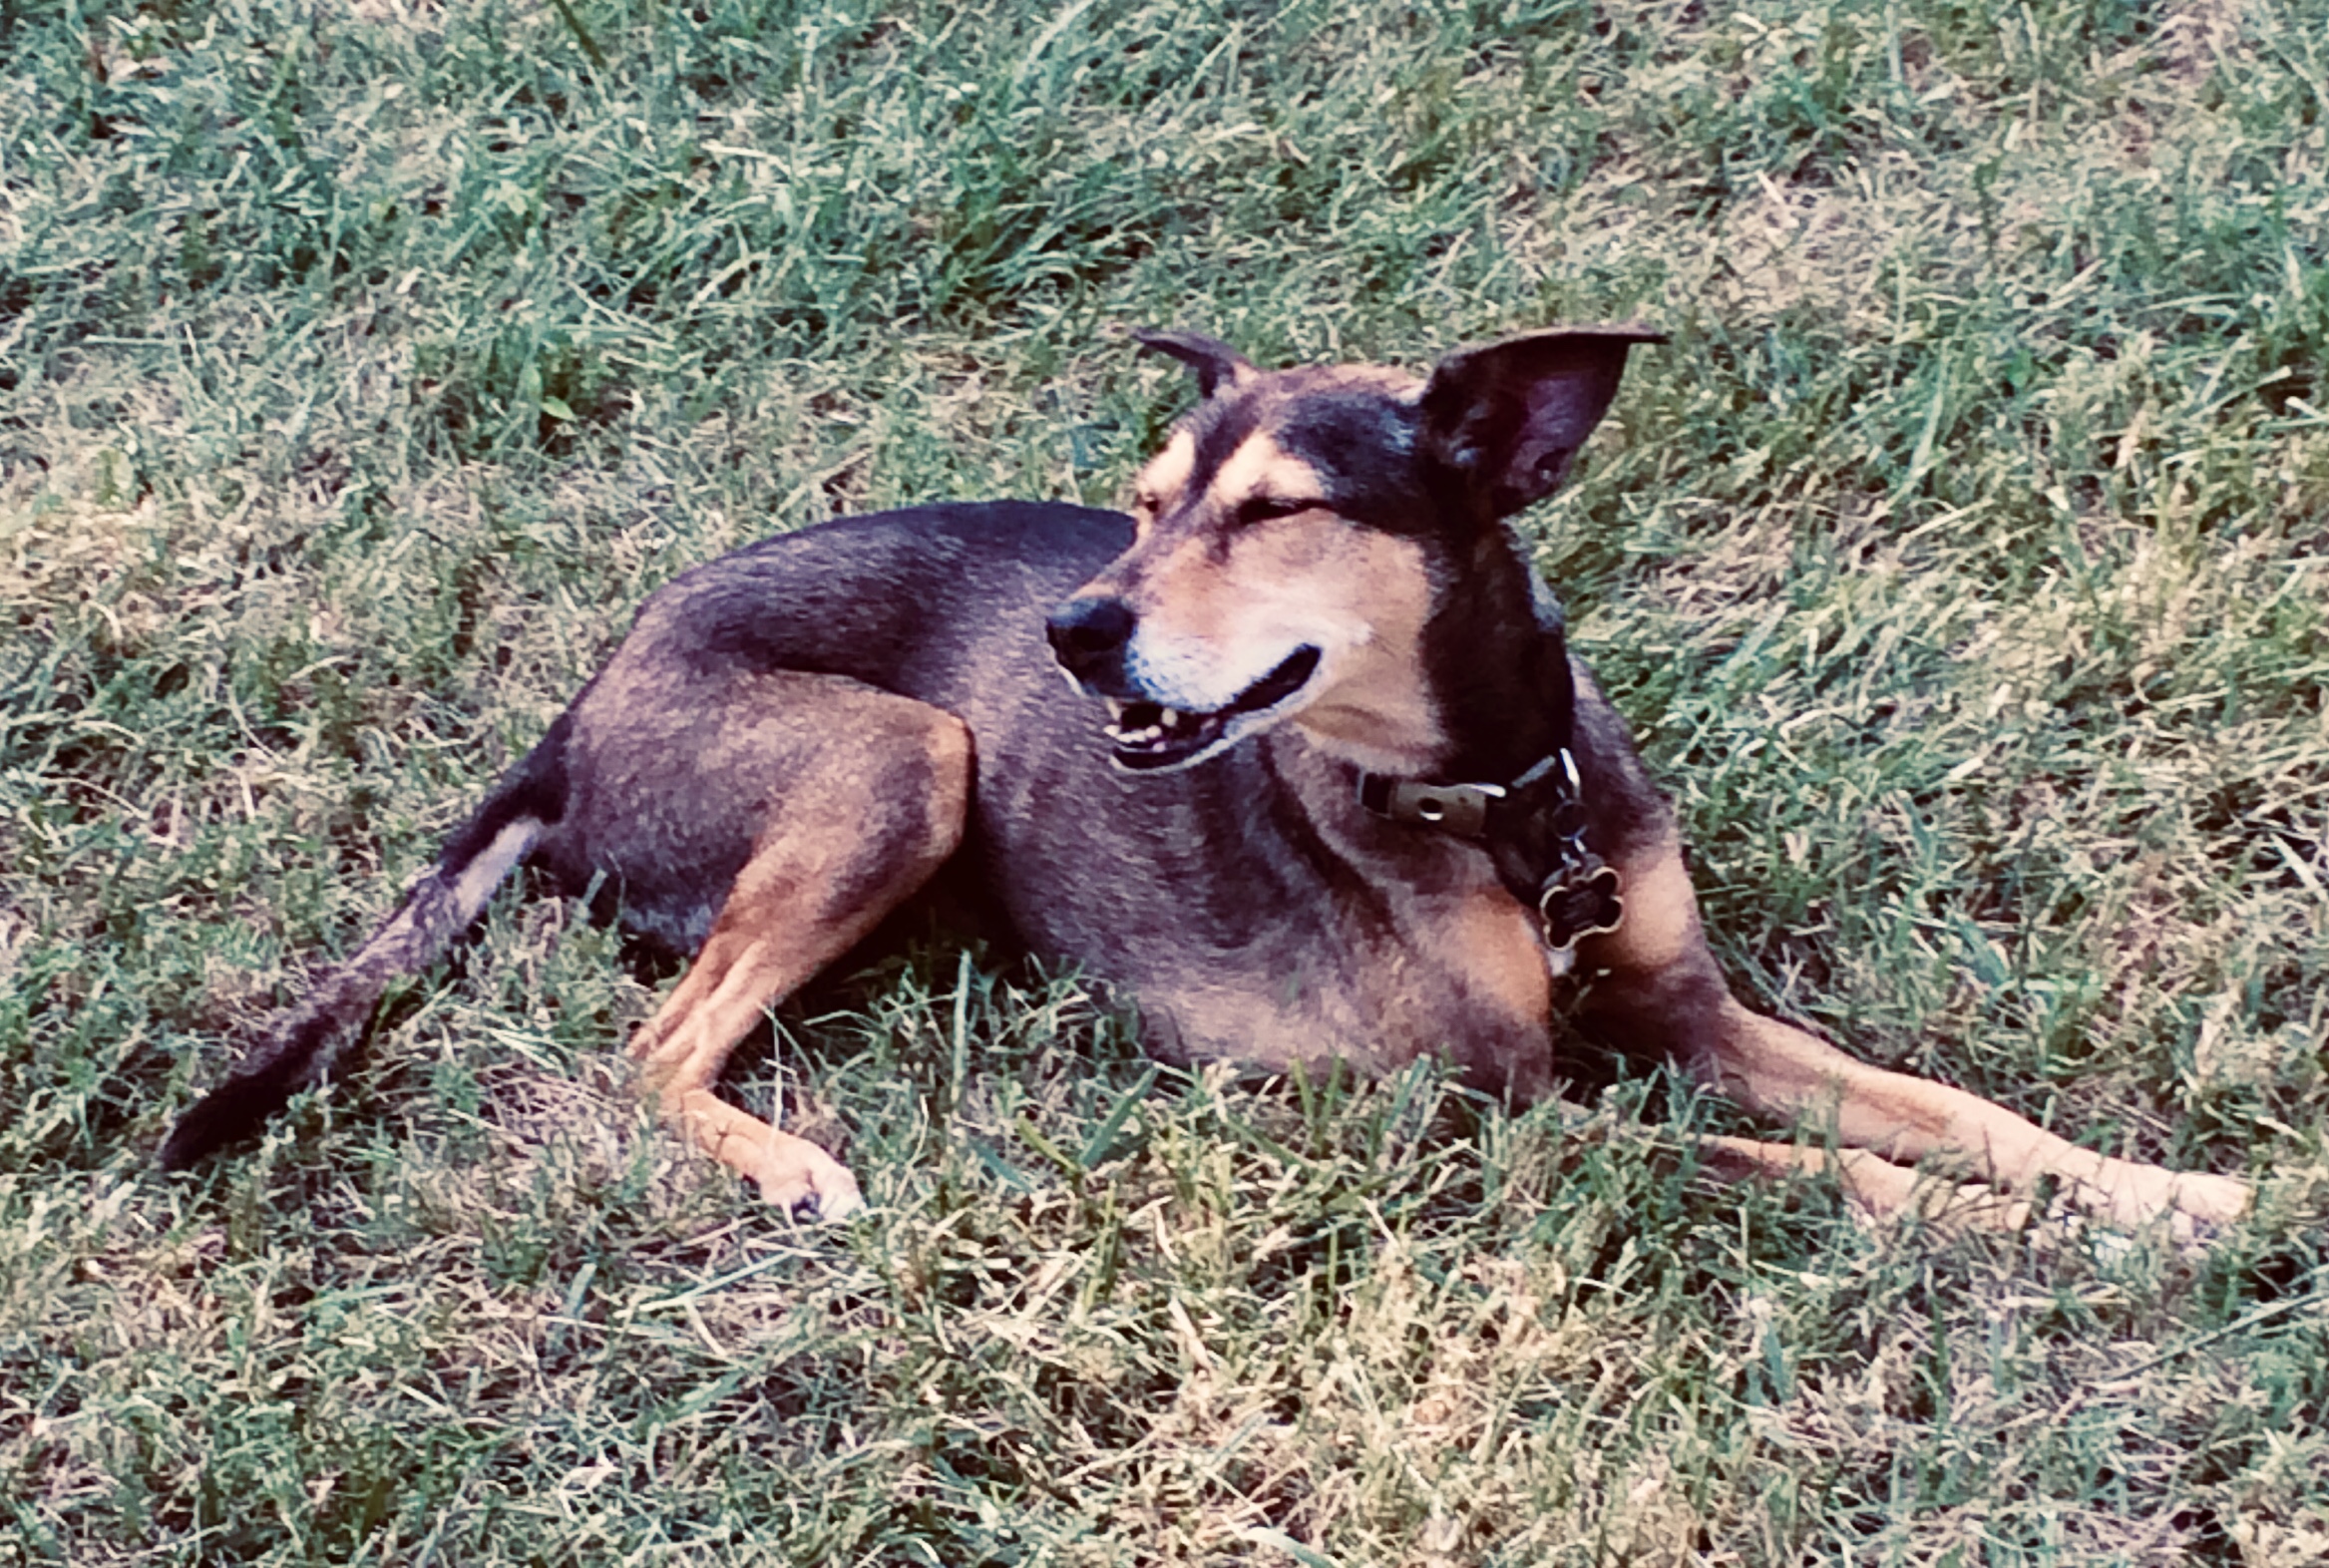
{"type": "Point", "coordinates": [1298, 529]}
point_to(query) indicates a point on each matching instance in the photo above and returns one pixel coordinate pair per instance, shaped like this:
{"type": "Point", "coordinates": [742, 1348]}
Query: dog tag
{"type": "Point", "coordinates": [1578, 903]}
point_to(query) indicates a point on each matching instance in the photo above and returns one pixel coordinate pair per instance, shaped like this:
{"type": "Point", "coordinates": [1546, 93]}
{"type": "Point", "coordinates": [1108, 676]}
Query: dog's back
{"type": "Point", "coordinates": [661, 778]}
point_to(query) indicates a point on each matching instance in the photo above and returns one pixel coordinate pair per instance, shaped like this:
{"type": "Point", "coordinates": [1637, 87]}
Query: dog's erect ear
{"type": "Point", "coordinates": [1506, 419]}
{"type": "Point", "coordinates": [1216, 363]}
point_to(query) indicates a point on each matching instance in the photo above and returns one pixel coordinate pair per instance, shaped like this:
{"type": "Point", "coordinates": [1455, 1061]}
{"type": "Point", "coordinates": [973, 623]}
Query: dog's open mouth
{"type": "Point", "coordinates": [1151, 735]}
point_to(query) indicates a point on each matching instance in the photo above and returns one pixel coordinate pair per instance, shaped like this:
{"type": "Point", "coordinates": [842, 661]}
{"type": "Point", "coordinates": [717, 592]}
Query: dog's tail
{"type": "Point", "coordinates": [317, 1036]}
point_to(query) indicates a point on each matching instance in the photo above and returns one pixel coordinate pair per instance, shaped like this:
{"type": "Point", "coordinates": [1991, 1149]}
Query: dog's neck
{"type": "Point", "coordinates": [1484, 692]}
{"type": "Point", "coordinates": [1497, 659]}
{"type": "Point", "coordinates": [1499, 663]}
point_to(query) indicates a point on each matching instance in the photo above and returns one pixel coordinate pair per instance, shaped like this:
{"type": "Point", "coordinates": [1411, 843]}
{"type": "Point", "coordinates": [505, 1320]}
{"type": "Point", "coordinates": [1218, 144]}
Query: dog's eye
{"type": "Point", "coordinates": [1261, 509]}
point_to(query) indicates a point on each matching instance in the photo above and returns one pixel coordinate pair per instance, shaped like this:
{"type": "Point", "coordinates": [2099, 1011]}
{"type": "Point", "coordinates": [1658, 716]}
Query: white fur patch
{"type": "Point", "coordinates": [485, 870]}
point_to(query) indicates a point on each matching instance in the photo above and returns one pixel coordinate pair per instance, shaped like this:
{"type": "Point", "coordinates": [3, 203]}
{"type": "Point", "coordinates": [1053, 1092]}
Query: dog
{"type": "Point", "coordinates": [1353, 798]}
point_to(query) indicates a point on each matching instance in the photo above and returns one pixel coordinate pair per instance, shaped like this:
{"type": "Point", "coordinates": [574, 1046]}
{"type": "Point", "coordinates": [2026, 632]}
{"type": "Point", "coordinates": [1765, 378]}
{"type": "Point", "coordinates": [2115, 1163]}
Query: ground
{"type": "Point", "coordinates": [1963, 564]}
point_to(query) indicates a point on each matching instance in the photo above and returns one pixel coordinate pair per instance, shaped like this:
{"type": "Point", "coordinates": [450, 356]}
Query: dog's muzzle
{"type": "Point", "coordinates": [1091, 636]}
{"type": "Point", "coordinates": [1088, 637]}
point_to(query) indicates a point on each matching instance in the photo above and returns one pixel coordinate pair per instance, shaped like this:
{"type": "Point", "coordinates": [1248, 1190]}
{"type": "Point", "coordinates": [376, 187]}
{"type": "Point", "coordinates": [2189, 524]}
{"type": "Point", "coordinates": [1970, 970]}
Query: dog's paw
{"type": "Point", "coordinates": [2213, 1201]}
{"type": "Point", "coordinates": [2195, 1206]}
{"type": "Point", "coordinates": [797, 1176]}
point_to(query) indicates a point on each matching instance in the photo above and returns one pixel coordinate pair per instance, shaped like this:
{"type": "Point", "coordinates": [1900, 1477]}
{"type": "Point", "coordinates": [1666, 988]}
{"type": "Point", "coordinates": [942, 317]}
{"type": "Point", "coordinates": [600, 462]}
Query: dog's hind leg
{"type": "Point", "coordinates": [1655, 988]}
{"type": "Point", "coordinates": [858, 797]}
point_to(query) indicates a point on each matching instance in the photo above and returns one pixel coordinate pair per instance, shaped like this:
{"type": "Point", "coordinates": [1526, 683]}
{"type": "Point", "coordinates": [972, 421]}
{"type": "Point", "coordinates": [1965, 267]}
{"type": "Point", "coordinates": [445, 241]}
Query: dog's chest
{"type": "Point", "coordinates": [1272, 939]}
{"type": "Point", "coordinates": [1457, 976]}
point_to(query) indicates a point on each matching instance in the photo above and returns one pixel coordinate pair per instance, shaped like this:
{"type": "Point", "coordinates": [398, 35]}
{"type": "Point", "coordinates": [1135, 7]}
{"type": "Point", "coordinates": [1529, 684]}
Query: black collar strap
{"type": "Point", "coordinates": [1534, 829]}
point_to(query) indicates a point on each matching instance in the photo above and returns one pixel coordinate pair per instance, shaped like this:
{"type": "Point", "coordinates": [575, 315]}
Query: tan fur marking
{"type": "Point", "coordinates": [1776, 1068]}
{"type": "Point", "coordinates": [1661, 923]}
{"type": "Point", "coordinates": [1186, 590]}
{"type": "Point", "coordinates": [1885, 1190]}
{"type": "Point", "coordinates": [1312, 577]}
{"type": "Point", "coordinates": [868, 754]}
{"type": "Point", "coordinates": [1158, 486]}
{"type": "Point", "coordinates": [1654, 976]}
{"type": "Point", "coordinates": [1496, 947]}
{"type": "Point", "coordinates": [1379, 701]}
{"type": "Point", "coordinates": [789, 1169]}
{"type": "Point", "coordinates": [1260, 467]}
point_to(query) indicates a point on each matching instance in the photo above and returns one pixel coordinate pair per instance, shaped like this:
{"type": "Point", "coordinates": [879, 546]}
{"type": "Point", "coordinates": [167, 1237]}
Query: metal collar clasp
{"type": "Point", "coordinates": [1460, 809]}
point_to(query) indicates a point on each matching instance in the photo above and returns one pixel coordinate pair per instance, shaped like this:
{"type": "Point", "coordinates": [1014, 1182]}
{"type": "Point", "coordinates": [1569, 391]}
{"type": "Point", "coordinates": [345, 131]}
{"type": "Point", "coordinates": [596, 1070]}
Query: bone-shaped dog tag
{"type": "Point", "coordinates": [1579, 902]}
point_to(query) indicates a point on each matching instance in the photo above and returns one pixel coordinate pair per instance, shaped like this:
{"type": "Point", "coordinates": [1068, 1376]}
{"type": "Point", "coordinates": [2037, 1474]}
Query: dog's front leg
{"type": "Point", "coordinates": [1656, 987]}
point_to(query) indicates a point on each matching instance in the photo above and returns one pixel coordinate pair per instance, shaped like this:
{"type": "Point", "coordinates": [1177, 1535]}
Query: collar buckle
{"type": "Point", "coordinates": [1582, 896]}
{"type": "Point", "coordinates": [1460, 809]}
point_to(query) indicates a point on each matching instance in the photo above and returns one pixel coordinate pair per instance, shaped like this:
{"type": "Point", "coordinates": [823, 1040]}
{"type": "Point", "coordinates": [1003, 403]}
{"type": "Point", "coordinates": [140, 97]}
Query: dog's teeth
{"type": "Point", "coordinates": [1115, 708]}
{"type": "Point", "coordinates": [1170, 718]}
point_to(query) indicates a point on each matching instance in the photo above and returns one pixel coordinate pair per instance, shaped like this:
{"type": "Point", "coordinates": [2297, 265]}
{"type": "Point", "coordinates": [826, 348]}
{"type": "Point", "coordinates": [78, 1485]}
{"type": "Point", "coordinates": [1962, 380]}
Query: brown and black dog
{"type": "Point", "coordinates": [1356, 800]}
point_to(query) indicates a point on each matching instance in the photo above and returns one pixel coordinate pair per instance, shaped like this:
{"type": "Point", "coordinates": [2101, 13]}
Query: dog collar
{"type": "Point", "coordinates": [1538, 817]}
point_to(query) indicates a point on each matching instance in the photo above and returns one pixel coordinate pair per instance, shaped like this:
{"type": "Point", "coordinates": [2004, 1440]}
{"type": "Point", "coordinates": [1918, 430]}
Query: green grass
{"type": "Point", "coordinates": [1963, 563]}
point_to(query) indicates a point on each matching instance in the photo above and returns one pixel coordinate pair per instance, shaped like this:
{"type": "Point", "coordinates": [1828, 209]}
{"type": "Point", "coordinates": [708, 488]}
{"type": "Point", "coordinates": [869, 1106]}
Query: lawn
{"type": "Point", "coordinates": [1963, 563]}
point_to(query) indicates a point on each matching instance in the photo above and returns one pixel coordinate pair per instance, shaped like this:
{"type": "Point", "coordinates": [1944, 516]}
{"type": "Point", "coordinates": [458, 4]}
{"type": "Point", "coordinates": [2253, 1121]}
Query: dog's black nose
{"type": "Point", "coordinates": [1087, 633]}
